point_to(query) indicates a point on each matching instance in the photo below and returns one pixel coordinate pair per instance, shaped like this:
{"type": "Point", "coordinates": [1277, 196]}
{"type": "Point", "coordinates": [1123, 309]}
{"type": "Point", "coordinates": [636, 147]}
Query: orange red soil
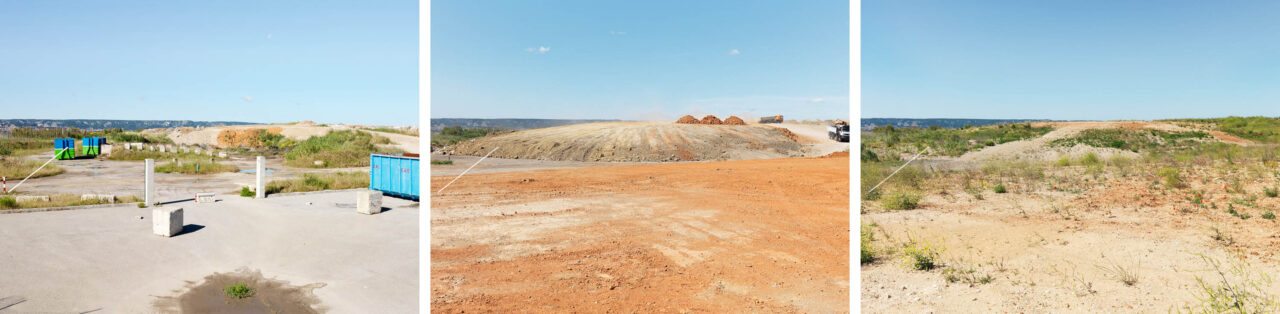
{"type": "Point", "coordinates": [710, 119]}
{"type": "Point", "coordinates": [766, 235]}
{"type": "Point", "coordinates": [687, 119]}
{"type": "Point", "coordinates": [734, 120]}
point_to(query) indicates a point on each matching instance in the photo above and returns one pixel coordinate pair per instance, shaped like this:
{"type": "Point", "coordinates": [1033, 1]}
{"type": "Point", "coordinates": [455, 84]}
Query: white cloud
{"type": "Point", "coordinates": [819, 99]}
{"type": "Point", "coordinates": [539, 50]}
{"type": "Point", "coordinates": [268, 35]}
{"type": "Point", "coordinates": [733, 52]}
{"type": "Point", "coordinates": [617, 33]}
{"type": "Point", "coordinates": [247, 98]}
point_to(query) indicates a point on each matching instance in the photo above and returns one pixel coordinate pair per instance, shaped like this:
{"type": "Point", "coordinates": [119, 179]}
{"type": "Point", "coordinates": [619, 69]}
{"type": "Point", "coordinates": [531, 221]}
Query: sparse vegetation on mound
{"type": "Point", "coordinates": [1258, 129]}
{"type": "Point", "coordinates": [337, 149]}
{"type": "Point", "coordinates": [454, 134]}
{"type": "Point", "coordinates": [1134, 140]}
{"type": "Point", "coordinates": [948, 142]}
{"type": "Point", "coordinates": [254, 138]}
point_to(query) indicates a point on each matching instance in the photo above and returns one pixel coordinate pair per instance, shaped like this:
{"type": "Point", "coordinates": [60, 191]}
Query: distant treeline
{"type": "Point", "coordinates": [869, 123]}
{"type": "Point", "coordinates": [511, 124]}
{"type": "Point", "coordinates": [94, 125]}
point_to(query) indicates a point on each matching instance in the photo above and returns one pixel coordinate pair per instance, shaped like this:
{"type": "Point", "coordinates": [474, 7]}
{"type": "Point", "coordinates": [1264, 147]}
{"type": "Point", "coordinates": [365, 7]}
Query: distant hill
{"type": "Point", "coordinates": [514, 124]}
{"type": "Point", "coordinates": [868, 123]}
{"type": "Point", "coordinates": [93, 125]}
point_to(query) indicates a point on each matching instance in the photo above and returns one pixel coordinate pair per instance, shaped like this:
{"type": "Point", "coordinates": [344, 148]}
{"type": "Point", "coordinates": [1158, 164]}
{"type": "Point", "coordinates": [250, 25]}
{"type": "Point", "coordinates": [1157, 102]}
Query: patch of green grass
{"type": "Point", "coordinates": [238, 291]}
{"type": "Point", "coordinates": [246, 192]}
{"type": "Point", "coordinates": [1133, 140]}
{"type": "Point", "coordinates": [441, 162]}
{"type": "Point", "coordinates": [190, 166]}
{"type": "Point", "coordinates": [999, 189]}
{"type": "Point", "coordinates": [319, 182]}
{"type": "Point", "coordinates": [1063, 162]}
{"type": "Point", "coordinates": [18, 168]}
{"type": "Point", "coordinates": [1090, 159]}
{"type": "Point", "coordinates": [900, 200]}
{"type": "Point", "coordinates": [1270, 191]}
{"type": "Point", "coordinates": [61, 200]}
{"type": "Point", "coordinates": [1258, 129]}
{"type": "Point", "coordinates": [337, 149]}
{"type": "Point", "coordinates": [1269, 215]}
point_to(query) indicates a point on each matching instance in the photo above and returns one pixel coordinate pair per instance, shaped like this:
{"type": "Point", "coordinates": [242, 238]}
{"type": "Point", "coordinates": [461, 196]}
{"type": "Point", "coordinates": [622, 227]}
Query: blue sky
{"type": "Point", "coordinates": [639, 60]}
{"type": "Point", "coordinates": [272, 61]}
{"type": "Point", "coordinates": [1075, 60]}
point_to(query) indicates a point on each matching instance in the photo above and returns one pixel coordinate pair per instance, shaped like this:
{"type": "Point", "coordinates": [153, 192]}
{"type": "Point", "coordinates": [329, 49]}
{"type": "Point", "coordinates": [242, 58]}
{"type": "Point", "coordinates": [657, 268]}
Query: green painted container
{"type": "Point", "coordinates": [64, 148]}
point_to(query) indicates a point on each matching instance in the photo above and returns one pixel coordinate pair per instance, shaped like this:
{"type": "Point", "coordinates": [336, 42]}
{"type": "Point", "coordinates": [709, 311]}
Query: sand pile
{"type": "Point", "coordinates": [636, 142]}
{"type": "Point", "coordinates": [734, 120]}
{"type": "Point", "coordinates": [688, 119]}
{"type": "Point", "coordinates": [710, 119]}
{"type": "Point", "coordinates": [788, 134]}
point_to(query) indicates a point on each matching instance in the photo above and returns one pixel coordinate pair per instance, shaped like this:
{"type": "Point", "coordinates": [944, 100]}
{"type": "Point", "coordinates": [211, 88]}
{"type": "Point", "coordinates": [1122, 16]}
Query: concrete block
{"type": "Point", "coordinates": [161, 148]}
{"type": "Point", "coordinates": [166, 221]}
{"type": "Point", "coordinates": [110, 198]}
{"type": "Point", "coordinates": [222, 154]}
{"type": "Point", "coordinates": [368, 202]}
{"type": "Point", "coordinates": [31, 198]}
{"type": "Point", "coordinates": [151, 148]}
{"type": "Point", "coordinates": [204, 198]}
{"type": "Point", "coordinates": [105, 149]}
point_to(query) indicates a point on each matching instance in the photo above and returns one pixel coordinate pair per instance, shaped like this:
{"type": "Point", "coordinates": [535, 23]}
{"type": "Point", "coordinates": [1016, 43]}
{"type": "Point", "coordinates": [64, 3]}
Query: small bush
{"type": "Point", "coordinates": [1271, 191]}
{"type": "Point", "coordinates": [1235, 288]}
{"type": "Point", "coordinates": [901, 200]}
{"type": "Point", "coordinates": [238, 291]}
{"type": "Point", "coordinates": [999, 188]}
{"type": "Point", "coordinates": [1269, 215]}
{"type": "Point", "coordinates": [246, 192]}
{"type": "Point", "coordinates": [1090, 159]}
{"type": "Point", "coordinates": [868, 235]}
{"type": "Point", "coordinates": [1064, 161]}
{"type": "Point", "coordinates": [921, 256]}
{"type": "Point", "coordinates": [142, 205]}
{"type": "Point", "coordinates": [441, 162]}
{"type": "Point", "coordinates": [1172, 178]}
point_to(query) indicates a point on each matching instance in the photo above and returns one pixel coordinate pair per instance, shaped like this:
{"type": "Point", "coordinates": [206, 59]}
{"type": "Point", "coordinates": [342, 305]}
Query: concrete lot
{"type": "Point", "coordinates": [108, 260]}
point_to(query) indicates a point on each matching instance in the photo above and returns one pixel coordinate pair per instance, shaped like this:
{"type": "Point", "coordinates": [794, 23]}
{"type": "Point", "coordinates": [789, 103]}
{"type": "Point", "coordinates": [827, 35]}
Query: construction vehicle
{"type": "Point", "coordinates": [838, 131]}
{"type": "Point", "coordinates": [773, 119]}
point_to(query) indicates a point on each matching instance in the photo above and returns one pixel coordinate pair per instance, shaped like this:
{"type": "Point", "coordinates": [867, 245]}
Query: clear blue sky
{"type": "Point", "coordinates": [639, 60]}
{"type": "Point", "coordinates": [1085, 60]}
{"type": "Point", "coordinates": [258, 61]}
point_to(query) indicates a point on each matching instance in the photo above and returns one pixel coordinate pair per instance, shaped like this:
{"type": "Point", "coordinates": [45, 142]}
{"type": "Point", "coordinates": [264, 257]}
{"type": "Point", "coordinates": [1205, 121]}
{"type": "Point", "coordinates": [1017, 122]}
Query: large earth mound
{"type": "Point", "coordinates": [636, 142]}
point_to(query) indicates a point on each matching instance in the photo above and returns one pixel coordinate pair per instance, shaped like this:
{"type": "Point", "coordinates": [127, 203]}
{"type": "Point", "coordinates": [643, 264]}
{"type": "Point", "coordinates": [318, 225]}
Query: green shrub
{"type": "Point", "coordinates": [142, 205]}
{"type": "Point", "coordinates": [999, 188]}
{"type": "Point", "coordinates": [1090, 159]}
{"type": "Point", "coordinates": [337, 149]}
{"type": "Point", "coordinates": [238, 291]}
{"type": "Point", "coordinates": [246, 192]}
{"type": "Point", "coordinates": [1064, 161]}
{"type": "Point", "coordinates": [441, 162]}
{"type": "Point", "coordinates": [868, 235]}
{"type": "Point", "coordinates": [1269, 215]}
{"type": "Point", "coordinates": [319, 182]}
{"type": "Point", "coordinates": [1172, 178]}
{"type": "Point", "coordinates": [921, 256]}
{"type": "Point", "coordinates": [900, 200]}
{"type": "Point", "coordinates": [1271, 191]}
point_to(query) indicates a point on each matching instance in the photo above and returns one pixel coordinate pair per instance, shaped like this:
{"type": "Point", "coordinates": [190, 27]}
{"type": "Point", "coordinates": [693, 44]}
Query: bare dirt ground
{"type": "Point", "coordinates": [636, 142]}
{"type": "Point", "coordinates": [815, 137]}
{"type": "Point", "coordinates": [490, 165]}
{"type": "Point", "coordinates": [736, 236]}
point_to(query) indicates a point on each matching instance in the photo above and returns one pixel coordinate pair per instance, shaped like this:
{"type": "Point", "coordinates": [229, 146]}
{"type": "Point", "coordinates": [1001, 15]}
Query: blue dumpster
{"type": "Point", "coordinates": [395, 176]}
{"type": "Point", "coordinates": [64, 148]}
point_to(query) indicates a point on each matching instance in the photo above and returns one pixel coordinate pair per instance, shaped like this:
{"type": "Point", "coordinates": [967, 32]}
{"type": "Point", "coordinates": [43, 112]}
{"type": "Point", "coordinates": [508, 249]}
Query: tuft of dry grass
{"type": "Point", "coordinates": [320, 182]}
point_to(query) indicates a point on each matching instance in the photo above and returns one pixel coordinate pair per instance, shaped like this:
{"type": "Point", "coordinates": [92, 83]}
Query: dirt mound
{"type": "Point", "coordinates": [836, 155]}
{"type": "Point", "coordinates": [789, 134]}
{"type": "Point", "coordinates": [688, 119]}
{"type": "Point", "coordinates": [734, 120]}
{"type": "Point", "coordinates": [710, 119]}
{"type": "Point", "coordinates": [245, 137]}
{"type": "Point", "coordinates": [636, 142]}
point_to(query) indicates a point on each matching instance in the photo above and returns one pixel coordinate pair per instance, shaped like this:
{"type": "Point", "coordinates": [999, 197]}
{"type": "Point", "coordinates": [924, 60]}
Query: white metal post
{"type": "Point", "coordinates": [262, 172]}
{"type": "Point", "coordinates": [150, 186]}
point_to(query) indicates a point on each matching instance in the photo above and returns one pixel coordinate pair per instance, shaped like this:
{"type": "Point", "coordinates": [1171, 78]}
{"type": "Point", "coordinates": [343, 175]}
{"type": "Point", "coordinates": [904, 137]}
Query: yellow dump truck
{"type": "Point", "coordinates": [773, 119]}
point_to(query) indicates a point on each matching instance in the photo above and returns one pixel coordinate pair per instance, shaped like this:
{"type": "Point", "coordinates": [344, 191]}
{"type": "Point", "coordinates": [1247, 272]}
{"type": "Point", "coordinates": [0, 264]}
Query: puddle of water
{"type": "Point", "coordinates": [255, 170]}
{"type": "Point", "coordinates": [269, 296]}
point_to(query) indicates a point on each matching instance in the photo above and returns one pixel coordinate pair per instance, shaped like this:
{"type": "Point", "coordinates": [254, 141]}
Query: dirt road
{"type": "Point", "coordinates": [737, 236]}
{"type": "Point", "coordinates": [815, 137]}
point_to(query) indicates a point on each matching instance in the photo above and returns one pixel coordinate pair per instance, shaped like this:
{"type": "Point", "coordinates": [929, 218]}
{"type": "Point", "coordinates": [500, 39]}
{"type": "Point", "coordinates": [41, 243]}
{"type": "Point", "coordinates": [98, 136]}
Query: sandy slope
{"type": "Point", "coordinates": [209, 136]}
{"type": "Point", "coordinates": [636, 141]}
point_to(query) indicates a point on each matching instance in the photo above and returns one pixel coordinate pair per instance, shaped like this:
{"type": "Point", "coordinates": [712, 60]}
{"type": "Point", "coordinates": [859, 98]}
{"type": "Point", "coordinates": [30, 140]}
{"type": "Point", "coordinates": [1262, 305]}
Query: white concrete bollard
{"type": "Point", "coordinates": [222, 154]}
{"type": "Point", "coordinates": [31, 198]}
{"type": "Point", "coordinates": [105, 149]}
{"type": "Point", "coordinates": [261, 174]}
{"type": "Point", "coordinates": [161, 148]}
{"type": "Point", "coordinates": [149, 187]}
{"type": "Point", "coordinates": [166, 221]}
{"type": "Point", "coordinates": [368, 202]}
{"type": "Point", "coordinates": [204, 198]}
